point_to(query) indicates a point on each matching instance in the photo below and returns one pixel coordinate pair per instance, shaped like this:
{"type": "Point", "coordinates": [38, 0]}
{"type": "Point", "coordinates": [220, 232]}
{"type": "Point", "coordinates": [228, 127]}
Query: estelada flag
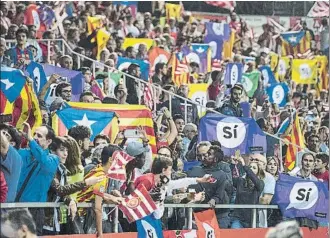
{"type": "Point", "coordinates": [294, 43]}
{"type": "Point", "coordinates": [180, 69]}
{"type": "Point", "coordinates": [129, 117]}
{"type": "Point", "coordinates": [207, 224]}
{"type": "Point", "coordinates": [304, 71]}
{"type": "Point", "coordinates": [158, 55]}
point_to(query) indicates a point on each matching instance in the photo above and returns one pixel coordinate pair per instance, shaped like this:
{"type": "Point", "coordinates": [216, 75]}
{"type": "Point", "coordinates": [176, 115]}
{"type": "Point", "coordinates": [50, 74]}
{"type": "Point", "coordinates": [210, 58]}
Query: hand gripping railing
{"type": "Point", "coordinates": [189, 206]}
{"type": "Point", "coordinates": [66, 47]}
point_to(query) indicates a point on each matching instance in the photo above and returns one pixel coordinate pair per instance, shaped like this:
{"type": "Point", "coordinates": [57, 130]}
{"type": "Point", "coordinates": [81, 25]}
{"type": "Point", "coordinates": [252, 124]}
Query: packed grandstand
{"type": "Point", "coordinates": [165, 122]}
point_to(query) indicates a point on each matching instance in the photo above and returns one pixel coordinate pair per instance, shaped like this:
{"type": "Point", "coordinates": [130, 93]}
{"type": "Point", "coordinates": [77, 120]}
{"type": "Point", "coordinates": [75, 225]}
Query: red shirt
{"type": "Point", "coordinates": [213, 91]}
{"type": "Point", "coordinates": [148, 180]}
{"type": "Point", "coordinates": [324, 176]}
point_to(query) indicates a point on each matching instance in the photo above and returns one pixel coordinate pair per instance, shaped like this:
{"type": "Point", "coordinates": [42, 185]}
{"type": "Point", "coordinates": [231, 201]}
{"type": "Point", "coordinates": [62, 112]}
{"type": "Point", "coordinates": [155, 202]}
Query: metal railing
{"type": "Point", "coordinates": [66, 49]}
{"type": "Point", "coordinates": [116, 222]}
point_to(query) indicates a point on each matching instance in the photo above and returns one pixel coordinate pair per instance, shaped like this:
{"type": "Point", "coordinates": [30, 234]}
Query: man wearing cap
{"type": "Point", "coordinates": [232, 106]}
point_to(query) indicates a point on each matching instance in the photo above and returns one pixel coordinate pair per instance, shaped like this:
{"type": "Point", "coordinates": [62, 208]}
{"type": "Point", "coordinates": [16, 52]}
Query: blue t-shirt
{"type": "Point", "coordinates": [12, 166]}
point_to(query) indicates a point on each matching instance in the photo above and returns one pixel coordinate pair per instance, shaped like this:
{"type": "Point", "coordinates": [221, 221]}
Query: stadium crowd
{"type": "Point", "coordinates": [37, 165]}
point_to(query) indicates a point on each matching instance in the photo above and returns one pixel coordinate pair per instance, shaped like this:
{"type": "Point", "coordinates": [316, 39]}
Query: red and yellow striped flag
{"type": "Point", "coordinates": [129, 117]}
{"type": "Point", "coordinates": [180, 69]}
{"type": "Point", "coordinates": [296, 138]}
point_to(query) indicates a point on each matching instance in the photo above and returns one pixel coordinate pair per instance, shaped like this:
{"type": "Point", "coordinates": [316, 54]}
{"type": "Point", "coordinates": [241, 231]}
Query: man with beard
{"type": "Point", "coordinates": [232, 106]}
{"type": "Point", "coordinates": [215, 193]}
{"type": "Point", "coordinates": [132, 94]}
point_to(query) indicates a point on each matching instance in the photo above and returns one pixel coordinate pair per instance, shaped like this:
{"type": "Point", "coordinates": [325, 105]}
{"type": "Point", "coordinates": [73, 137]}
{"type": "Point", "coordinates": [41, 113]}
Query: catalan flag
{"type": "Point", "coordinates": [173, 10]}
{"type": "Point", "coordinates": [296, 138]}
{"type": "Point", "coordinates": [129, 117]}
{"type": "Point", "coordinates": [180, 69]}
{"type": "Point", "coordinates": [304, 71]}
{"type": "Point", "coordinates": [294, 43]}
{"type": "Point", "coordinates": [18, 98]}
{"type": "Point", "coordinates": [228, 45]}
{"type": "Point", "coordinates": [200, 54]}
{"type": "Point", "coordinates": [135, 42]}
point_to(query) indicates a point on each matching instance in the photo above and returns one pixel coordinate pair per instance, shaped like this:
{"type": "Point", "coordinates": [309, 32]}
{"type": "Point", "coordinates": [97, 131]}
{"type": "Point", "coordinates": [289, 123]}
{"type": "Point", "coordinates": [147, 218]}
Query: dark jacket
{"type": "Point", "coordinates": [247, 195]}
{"type": "Point", "coordinates": [217, 190]}
{"type": "Point", "coordinates": [229, 109]}
{"type": "Point", "coordinates": [63, 191]}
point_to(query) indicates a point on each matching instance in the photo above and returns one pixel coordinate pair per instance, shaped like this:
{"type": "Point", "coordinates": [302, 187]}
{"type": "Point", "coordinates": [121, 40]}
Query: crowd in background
{"type": "Point", "coordinates": [70, 168]}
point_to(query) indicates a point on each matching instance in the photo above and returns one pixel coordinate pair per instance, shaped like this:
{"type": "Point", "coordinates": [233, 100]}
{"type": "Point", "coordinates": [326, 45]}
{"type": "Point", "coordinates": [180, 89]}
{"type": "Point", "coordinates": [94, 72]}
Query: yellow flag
{"type": "Point", "coordinates": [135, 42]}
{"type": "Point", "coordinates": [102, 38]}
{"type": "Point", "coordinates": [93, 23]}
{"type": "Point", "coordinates": [198, 93]}
{"type": "Point", "coordinates": [173, 10]}
{"type": "Point", "coordinates": [282, 69]}
{"type": "Point", "coordinates": [304, 71]}
{"type": "Point", "coordinates": [273, 60]}
{"type": "Point", "coordinates": [323, 76]}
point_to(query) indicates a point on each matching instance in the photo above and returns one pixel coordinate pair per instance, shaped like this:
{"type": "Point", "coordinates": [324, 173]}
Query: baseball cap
{"type": "Point", "coordinates": [136, 148]}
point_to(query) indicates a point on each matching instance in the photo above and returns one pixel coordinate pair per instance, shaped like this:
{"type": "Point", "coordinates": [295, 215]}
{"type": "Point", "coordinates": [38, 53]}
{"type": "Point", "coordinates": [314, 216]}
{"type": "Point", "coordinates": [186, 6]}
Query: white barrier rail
{"type": "Point", "coordinates": [116, 222]}
{"type": "Point", "coordinates": [66, 47]}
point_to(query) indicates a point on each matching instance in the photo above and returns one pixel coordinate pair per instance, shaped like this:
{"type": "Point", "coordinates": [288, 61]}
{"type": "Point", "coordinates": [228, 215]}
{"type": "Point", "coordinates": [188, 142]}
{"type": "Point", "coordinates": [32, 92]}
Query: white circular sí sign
{"type": "Point", "coordinates": [218, 28]}
{"type": "Point", "coordinates": [201, 98]}
{"type": "Point", "coordinates": [278, 94]}
{"type": "Point", "coordinates": [231, 132]}
{"type": "Point", "coordinates": [213, 46]}
{"type": "Point", "coordinates": [281, 67]}
{"type": "Point", "coordinates": [234, 75]}
{"type": "Point", "coordinates": [265, 76]}
{"type": "Point", "coordinates": [193, 57]}
{"type": "Point", "coordinates": [123, 66]}
{"type": "Point", "coordinates": [247, 84]}
{"type": "Point", "coordinates": [305, 71]}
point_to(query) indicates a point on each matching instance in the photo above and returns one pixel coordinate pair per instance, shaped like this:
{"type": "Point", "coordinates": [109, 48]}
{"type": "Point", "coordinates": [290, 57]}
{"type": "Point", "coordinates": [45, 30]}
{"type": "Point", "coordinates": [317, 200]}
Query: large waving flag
{"type": "Point", "coordinates": [319, 9]}
{"type": "Point", "coordinates": [304, 71]}
{"type": "Point", "coordinates": [233, 73]}
{"type": "Point", "coordinates": [117, 169]}
{"type": "Point", "coordinates": [135, 42]}
{"type": "Point", "coordinates": [149, 226]}
{"type": "Point", "coordinates": [123, 63]}
{"type": "Point", "coordinates": [138, 204]}
{"type": "Point", "coordinates": [250, 82]}
{"type": "Point", "coordinates": [296, 137]}
{"type": "Point", "coordinates": [278, 93]}
{"type": "Point", "coordinates": [268, 75]}
{"type": "Point", "coordinates": [75, 78]}
{"type": "Point", "coordinates": [200, 54]}
{"type": "Point", "coordinates": [233, 133]}
{"type": "Point", "coordinates": [129, 117]}
{"type": "Point", "coordinates": [96, 121]}
{"type": "Point", "coordinates": [94, 23]}
{"type": "Point", "coordinates": [207, 224]}
{"type": "Point", "coordinates": [158, 55]}
{"type": "Point", "coordinates": [297, 197]}
{"type": "Point", "coordinates": [294, 43]}
{"type": "Point", "coordinates": [180, 69]}
{"type": "Point", "coordinates": [37, 74]}
{"type": "Point", "coordinates": [173, 10]}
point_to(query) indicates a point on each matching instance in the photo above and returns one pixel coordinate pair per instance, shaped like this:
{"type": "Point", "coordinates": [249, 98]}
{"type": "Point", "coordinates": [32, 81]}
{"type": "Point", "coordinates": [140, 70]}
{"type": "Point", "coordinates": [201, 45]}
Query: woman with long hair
{"type": "Point", "coordinates": [73, 163]}
{"type": "Point", "coordinates": [248, 191]}
{"type": "Point", "coordinates": [273, 167]}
